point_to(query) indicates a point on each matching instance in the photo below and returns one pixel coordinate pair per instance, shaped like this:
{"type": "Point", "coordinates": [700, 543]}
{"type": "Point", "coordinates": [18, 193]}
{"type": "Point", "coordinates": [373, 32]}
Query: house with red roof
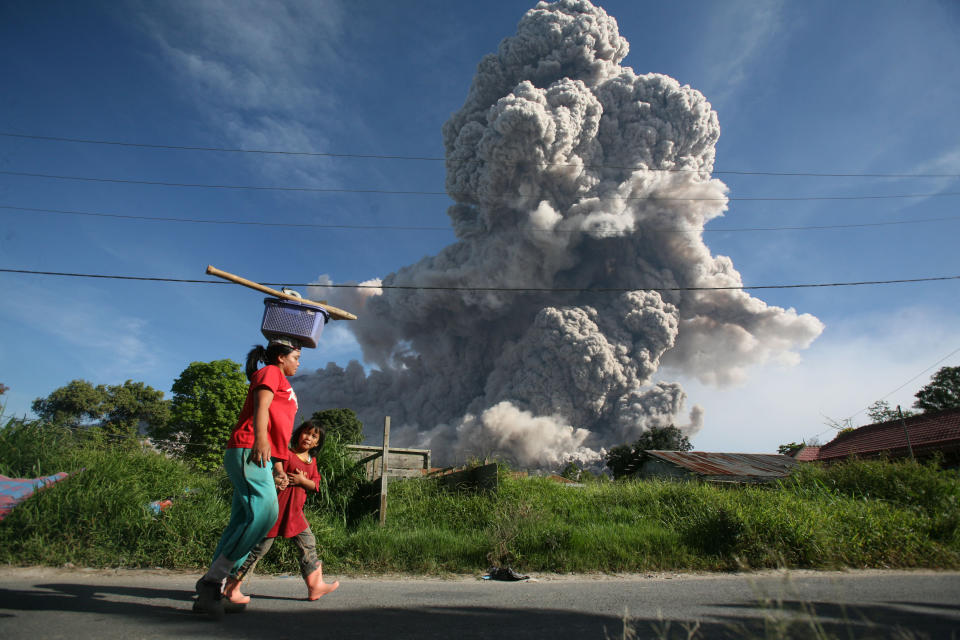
{"type": "Point", "coordinates": [925, 435]}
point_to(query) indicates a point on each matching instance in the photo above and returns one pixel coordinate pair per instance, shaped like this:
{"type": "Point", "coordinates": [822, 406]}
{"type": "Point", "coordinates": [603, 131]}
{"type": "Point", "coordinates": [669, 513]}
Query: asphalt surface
{"type": "Point", "coordinates": [59, 603]}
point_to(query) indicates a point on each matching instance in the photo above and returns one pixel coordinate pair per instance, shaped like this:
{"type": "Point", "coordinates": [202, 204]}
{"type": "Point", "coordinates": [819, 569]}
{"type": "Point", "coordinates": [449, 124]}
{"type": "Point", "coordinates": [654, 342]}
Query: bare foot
{"type": "Point", "coordinates": [322, 589]}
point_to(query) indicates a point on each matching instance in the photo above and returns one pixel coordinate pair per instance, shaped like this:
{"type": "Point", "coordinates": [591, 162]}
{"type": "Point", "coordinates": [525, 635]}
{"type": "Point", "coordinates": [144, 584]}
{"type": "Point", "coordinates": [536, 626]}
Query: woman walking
{"type": "Point", "coordinates": [254, 461]}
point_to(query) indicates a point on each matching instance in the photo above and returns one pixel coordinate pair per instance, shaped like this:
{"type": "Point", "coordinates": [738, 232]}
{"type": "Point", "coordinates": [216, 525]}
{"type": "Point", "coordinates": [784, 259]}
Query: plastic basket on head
{"type": "Point", "coordinates": [294, 320]}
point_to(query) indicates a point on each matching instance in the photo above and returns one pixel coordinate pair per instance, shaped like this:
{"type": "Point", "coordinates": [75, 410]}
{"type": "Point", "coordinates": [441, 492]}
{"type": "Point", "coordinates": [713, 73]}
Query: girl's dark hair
{"type": "Point", "coordinates": [310, 425]}
{"type": "Point", "coordinates": [266, 355]}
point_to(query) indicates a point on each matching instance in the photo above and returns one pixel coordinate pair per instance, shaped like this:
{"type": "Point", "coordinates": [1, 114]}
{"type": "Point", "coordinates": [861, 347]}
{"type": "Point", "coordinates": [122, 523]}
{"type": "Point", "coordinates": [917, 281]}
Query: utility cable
{"type": "Point", "coordinates": [444, 193]}
{"type": "Point", "coordinates": [906, 383]}
{"type": "Point", "coordinates": [441, 159]}
{"type": "Point", "coordinates": [448, 228]}
{"type": "Point", "coordinates": [230, 222]}
{"type": "Point", "coordinates": [489, 289]}
{"type": "Point", "coordinates": [849, 419]}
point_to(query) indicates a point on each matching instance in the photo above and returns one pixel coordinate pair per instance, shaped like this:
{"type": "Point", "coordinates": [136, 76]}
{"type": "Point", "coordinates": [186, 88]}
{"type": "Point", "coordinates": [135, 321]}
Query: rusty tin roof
{"type": "Point", "coordinates": [759, 465]}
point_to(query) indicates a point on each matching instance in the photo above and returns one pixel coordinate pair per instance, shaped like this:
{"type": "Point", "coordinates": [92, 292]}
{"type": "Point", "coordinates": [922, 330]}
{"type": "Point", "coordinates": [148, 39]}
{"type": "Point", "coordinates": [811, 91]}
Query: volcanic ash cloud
{"type": "Point", "coordinates": [570, 173]}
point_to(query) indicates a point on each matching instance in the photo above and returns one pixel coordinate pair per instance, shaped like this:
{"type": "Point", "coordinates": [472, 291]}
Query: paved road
{"type": "Point", "coordinates": [48, 603]}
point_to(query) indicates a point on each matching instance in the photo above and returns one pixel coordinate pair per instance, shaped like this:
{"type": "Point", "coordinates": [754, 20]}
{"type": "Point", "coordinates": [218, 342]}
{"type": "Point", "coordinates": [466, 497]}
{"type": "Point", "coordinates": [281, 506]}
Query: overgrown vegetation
{"type": "Point", "coordinates": [623, 459]}
{"type": "Point", "coordinates": [859, 514]}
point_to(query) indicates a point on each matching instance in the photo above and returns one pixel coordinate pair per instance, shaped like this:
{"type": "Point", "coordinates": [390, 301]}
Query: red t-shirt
{"type": "Point", "coordinates": [291, 521]}
{"type": "Point", "coordinates": [283, 409]}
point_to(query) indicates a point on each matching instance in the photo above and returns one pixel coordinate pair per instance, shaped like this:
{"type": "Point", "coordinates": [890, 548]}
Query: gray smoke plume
{"type": "Point", "coordinates": [570, 173]}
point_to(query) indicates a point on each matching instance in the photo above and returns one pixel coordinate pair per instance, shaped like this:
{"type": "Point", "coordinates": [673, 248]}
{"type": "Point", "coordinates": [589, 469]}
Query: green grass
{"type": "Point", "coordinates": [859, 514]}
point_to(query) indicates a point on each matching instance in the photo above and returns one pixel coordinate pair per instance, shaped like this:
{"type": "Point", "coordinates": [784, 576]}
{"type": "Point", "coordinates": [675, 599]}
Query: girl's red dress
{"type": "Point", "coordinates": [291, 520]}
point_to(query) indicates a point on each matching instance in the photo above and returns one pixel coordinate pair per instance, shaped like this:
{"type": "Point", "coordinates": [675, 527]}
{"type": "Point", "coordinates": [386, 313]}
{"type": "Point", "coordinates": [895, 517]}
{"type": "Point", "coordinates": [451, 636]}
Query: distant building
{"type": "Point", "coordinates": [744, 468]}
{"type": "Point", "coordinates": [928, 434]}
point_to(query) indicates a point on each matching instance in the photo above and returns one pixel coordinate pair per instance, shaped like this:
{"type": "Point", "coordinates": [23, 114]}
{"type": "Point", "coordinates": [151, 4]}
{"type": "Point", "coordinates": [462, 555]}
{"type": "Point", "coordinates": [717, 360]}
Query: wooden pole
{"type": "Point", "coordinates": [383, 471]}
{"type": "Point", "coordinates": [903, 423]}
{"type": "Point", "coordinates": [335, 313]}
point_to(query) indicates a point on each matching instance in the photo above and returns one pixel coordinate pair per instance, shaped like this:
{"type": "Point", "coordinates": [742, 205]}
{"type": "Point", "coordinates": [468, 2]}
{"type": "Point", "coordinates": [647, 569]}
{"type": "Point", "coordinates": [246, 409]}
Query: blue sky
{"type": "Point", "coordinates": [821, 87]}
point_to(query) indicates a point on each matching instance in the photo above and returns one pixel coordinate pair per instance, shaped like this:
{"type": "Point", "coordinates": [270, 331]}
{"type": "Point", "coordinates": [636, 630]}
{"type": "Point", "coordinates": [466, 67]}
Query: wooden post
{"type": "Point", "coordinates": [903, 423]}
{"type": "Point", "coordinates": [383, 471]}
{"type": "Point", "coordinates": [335, 313]}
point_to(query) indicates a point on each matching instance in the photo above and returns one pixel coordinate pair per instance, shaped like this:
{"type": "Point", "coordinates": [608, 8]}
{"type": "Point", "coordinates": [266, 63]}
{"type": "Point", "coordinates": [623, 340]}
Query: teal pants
{"type": "Point", "coordinates": [254, 510]}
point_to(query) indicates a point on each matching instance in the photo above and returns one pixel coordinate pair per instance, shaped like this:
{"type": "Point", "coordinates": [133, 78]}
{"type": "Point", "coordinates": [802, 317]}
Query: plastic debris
{"type": "Point", "coordinates": [505, 574]}
{"type": "Point", "coordinates": [157, 506]}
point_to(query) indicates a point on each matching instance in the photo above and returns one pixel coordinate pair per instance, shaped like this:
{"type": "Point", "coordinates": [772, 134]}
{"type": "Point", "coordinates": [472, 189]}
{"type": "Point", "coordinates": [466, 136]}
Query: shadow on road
{"type": "Point", "coordinates": [806, 619]}
{"type": "Point", "coordinates": [168, 612]}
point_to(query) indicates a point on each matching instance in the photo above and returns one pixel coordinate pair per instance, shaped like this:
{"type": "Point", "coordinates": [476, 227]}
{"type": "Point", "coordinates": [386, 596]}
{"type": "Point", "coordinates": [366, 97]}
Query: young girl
{"type": "Point", "coordinates": [301, 470]}
{"type": "Point", "coordinates": [254, 461]}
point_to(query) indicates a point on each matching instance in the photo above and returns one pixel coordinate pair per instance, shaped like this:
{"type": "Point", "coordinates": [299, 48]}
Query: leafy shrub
{"type": "Point", "coordinates": [715, 531]}
{"type": "Point", "coordinates": [928, 491]}
{"type": "Point", "coordinates": [344, 483]}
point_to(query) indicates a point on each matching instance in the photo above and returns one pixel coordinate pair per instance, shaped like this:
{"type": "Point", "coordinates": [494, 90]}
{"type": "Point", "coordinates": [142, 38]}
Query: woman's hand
{"type": "Point", "coordinates": [279, 477]}
{"type": "Point", "coordinates": [260, 454]}
{"type": "Point", "coordinates": [262, 399]}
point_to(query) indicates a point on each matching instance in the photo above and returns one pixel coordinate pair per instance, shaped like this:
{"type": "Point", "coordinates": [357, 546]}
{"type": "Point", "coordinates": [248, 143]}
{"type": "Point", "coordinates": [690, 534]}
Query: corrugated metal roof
{"type": "Point", "coordinates": [761, 465]}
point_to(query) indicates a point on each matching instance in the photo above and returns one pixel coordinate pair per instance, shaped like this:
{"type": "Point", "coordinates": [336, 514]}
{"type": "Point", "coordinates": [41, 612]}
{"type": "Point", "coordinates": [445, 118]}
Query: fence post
{"type": "Point", "coordinates": [383, 471]}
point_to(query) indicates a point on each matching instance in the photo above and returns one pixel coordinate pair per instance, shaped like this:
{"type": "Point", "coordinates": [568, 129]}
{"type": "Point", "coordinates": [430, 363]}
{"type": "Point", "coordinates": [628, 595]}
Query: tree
{"type": "Point", "coordinates": [78, 403]}
{"type": "Point", "coordinates": [207, 398]}
{"type": "Point", "coordinates": [131, 404]}
{"type": "Point", "coordinates": [943, 392]}
{"type": "Point", "coordinates": [881, 411]}
{"type": "Point", "coordinates": [619, 460]}
{"type": "Point", "coordinates": [663, 438]}
{"type": "Point", "coordinates": [118, 409]}
{"type": "Point", "coordinates": [341, 423]}
{"type": "Point", "coordinates": [623, 459]}
{"type": "Point", "coordinates": [572, 471]}
{"type": "Point", "coordinates": [790, 448]}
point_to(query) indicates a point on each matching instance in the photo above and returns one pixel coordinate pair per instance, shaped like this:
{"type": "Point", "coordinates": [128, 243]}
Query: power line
{"type": "Point", "coordinates": [441, 159]}
{"type": "Point", "coordinates": [231, 222]}
{"type": "Point", "coordinates": [221, 186]}
{"type": "Point", "coordinates": [848, 420]}
{"type": "Point", "coordinates": [222, 149]}
{"type": "Point", "coordinates": [444, 193]}
{"type": "Point", "coordinates": [448, 228]}
{"type": "Point", "coordinates": [907, 382]}
{"type": "Point", "coordinates": [489, 289]}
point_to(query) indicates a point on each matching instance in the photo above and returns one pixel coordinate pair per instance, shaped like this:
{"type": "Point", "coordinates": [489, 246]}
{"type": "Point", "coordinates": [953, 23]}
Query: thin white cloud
{"type": "Point", "coordinates": [112, 345]}
{"type": "Point", "coordinates": [947, 163]}
{"type": "Point", "coordinates": [255, 69]}
{"type": "Point", "coordinates": [250, 54]}
{"type": "Point", "coordinates": [740, 35]}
